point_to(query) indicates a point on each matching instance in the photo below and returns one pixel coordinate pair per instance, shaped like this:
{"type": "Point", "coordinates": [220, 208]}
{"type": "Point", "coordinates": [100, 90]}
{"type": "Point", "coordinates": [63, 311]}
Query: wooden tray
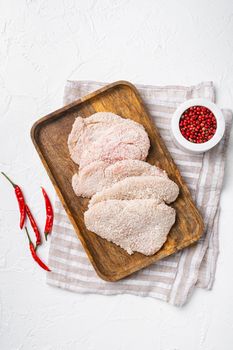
{"type": "Point", "coordinates": [49, 136]}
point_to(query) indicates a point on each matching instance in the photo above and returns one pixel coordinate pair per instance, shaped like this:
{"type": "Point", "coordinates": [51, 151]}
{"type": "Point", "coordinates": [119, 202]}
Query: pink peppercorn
{"type": "Point", "coordinates": [198, 124]}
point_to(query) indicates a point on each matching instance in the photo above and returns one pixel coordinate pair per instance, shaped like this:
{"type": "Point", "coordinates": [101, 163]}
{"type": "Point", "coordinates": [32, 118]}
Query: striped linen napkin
{"type": "Point", "coordinates": [174, 278]}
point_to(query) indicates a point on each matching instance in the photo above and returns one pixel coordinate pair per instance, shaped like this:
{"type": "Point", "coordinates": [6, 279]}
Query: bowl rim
{"type": "Point", "coordinates": [198, 147]}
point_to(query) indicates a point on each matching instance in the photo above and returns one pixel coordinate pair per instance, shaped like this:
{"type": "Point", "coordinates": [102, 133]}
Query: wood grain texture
{"type": "Point", "coordinates": [49, 136]}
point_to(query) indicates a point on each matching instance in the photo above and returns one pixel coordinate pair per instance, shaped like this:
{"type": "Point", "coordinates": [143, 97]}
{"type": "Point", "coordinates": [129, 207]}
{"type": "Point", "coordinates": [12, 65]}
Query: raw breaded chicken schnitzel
{"type": "Point", "coordinates": [128, 195]}
{"type": "Point", "coordinates": [108, 137]}
{"type": "Point", "coordinates": [140, 225]}
{"type": "Point", "coordinates": [99, 175]}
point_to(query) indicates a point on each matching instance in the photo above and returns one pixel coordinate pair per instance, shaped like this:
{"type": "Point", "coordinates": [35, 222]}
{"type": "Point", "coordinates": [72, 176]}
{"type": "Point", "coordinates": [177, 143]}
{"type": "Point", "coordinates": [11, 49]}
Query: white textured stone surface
{"type": "Point", "coordinates": [43, 43]}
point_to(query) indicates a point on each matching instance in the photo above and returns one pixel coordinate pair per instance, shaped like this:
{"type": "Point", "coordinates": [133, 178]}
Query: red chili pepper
{"type": "Point", "coordinates": [34, 226]}
{"type": "Point", "coordinates": [34, 255]}
{"type": "Point", "coordinates": [20, 199]}
{"type": "Point", "coordinates": [49, 214]}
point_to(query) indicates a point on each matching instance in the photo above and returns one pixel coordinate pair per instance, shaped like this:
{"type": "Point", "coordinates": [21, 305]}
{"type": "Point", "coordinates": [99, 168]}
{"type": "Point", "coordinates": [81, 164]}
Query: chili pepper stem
{"type": "Point", "coordinates": [46, 235]}
{"type": "Point", "coordinates": [13, 184]}
{"type": "Point", "coordinates": [29, 238]}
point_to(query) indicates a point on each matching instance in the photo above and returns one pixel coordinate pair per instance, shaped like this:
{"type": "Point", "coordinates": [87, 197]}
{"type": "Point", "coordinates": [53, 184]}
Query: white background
{"type": "Point", "coordinates": [43, 43]}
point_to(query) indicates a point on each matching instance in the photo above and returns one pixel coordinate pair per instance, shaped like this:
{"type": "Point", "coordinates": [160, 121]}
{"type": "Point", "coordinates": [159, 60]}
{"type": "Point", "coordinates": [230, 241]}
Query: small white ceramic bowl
{"type": "Point", "coordinates": [181, 141]}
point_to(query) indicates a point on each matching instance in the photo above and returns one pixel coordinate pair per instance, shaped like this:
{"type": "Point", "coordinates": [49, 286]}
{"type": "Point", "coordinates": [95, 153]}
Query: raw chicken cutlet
{"type": "Point", "coordinates": [88, 129]}
{"type": "Point", "coordinates": [108, 137]}
{"type": "Point", "coordinates": [139, 187]}
{"type": "Point", "coordinates": [99, 175]}
{"type": "Point", "coordinates": [135, 225]}
{"type": "Point", "coordinates": [127, 205]}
